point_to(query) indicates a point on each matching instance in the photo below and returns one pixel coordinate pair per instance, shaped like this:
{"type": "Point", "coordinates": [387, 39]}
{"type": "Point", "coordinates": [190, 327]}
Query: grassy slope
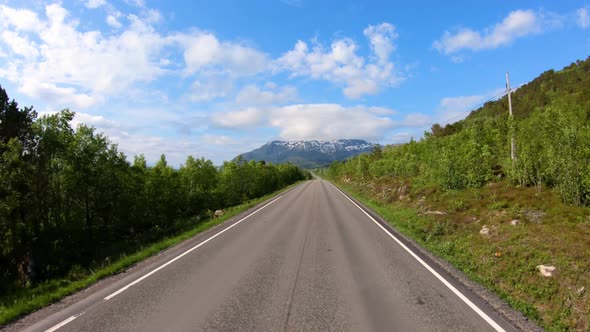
{"type": "Point", "coordinates": [13, 306]}
{"type": "Point", "coordinates": [571, 83]}
{"type": "Point", "coordinates": [504, 261]}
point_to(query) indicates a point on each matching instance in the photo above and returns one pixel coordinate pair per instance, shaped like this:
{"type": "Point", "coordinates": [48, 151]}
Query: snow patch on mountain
{"type": "Point", "coordinates": [308, 154]}
{"type": "Point", "coordinates": [331, 146]}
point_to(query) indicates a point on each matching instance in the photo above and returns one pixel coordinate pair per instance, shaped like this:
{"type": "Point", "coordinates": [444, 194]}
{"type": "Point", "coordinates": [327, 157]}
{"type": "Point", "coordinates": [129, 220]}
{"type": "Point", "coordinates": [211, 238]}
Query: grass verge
{"type": "Point", "coordinates": [31, 299]}
{"type": "Point", "coordinates": [505, 260]}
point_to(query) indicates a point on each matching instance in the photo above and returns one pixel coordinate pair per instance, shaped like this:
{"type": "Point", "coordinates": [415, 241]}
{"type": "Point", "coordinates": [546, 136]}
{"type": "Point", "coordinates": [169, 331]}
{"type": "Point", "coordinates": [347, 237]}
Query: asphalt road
{"type": "Point", "coordinates": [311, 260]}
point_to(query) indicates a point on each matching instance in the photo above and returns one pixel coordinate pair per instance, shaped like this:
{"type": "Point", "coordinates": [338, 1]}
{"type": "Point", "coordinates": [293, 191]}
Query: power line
{"type": "Point", "coordinates": [473, 108]}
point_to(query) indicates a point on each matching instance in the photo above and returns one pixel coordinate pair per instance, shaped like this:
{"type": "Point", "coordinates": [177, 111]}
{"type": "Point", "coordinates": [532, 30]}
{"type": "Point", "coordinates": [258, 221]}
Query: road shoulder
{"type": "Point", "coordinates": [476, 292]}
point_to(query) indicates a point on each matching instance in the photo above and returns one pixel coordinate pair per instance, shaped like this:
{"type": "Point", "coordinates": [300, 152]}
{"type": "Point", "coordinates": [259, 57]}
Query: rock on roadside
{"type": "Point", "coordinates": [547, 270]}
{"type": "Point", "coordinates": [484, 230]}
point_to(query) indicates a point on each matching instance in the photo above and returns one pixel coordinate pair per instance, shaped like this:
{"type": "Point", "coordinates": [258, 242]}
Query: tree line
{"type": "Point", "coordinates": [69, 198]}
{"type": "Point", "coordinates": [551, 126]}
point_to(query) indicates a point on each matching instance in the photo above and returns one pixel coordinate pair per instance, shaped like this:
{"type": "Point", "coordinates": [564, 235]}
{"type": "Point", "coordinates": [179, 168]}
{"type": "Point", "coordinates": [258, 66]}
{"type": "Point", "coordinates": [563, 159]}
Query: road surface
{"type": "Point", "coordinates": [309, 260]}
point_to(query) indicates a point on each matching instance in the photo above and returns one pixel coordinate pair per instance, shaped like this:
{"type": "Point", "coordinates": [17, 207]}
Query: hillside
{"type": "Point", "coordinates": [308, 154]}
{"type": "Point", "coordinates": [569, 86]}
{"type": "Point", "coordinates": [458, 193]}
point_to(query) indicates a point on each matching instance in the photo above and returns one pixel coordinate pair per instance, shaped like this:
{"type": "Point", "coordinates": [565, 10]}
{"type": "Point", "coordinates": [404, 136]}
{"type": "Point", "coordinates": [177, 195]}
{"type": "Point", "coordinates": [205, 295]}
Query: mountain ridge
{"type": "Point", "coordinates": [308, 153]}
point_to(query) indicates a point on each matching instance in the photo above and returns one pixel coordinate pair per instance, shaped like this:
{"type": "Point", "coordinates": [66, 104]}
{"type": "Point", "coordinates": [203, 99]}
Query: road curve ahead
{"type": "Point", "coordinates": [310, 260]}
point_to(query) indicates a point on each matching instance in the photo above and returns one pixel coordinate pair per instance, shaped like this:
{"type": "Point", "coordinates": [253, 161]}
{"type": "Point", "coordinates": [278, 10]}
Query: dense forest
{"type": "Point", "coordinates": [551, 126]}
{"type": "Point", "coordinates": [70, 199]}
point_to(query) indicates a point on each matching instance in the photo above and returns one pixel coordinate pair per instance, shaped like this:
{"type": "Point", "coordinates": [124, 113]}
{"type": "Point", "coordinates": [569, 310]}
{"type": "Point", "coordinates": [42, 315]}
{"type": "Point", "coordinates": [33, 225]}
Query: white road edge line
{"type": "Point", "coordinates": [438, 276]}
{"type": "Point", "coordinates": [186, 252]}
{"type": "Point", "coordinates": [60, 325]}
{"type": "Point", "coordinates": [124, 288]}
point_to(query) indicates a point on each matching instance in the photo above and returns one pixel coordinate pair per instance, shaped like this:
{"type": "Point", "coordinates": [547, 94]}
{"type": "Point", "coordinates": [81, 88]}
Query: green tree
{"type": "Point", "coordinates": [199, 178]}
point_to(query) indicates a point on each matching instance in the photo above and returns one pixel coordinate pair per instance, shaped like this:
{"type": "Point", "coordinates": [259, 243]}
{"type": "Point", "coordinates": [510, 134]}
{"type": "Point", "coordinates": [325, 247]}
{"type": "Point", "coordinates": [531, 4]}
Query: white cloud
{"type": "Point", "coordinates": [517, 24]}
{"type": "Point", "coordinates": [97, 121]}
{"type": "Point", "coordinates": [137, 3]}
{"type": "Point", "coordinates": [95, 3]}
{"type": "Point", "coordinates": [401, 138]}
{"type": "Point", "coordinates": [320, 121]}
{"type": "Point", "coordinates": [246, 118]}
{"type": "Point", "coordinates": [80, 68]}
{"type": "Point", "coordinates": [19, 45]}
{"type": "Point", "coordinates": [381, 38]}
{"type": "Point", "coordinates": [176, 149]}
{"type": "Point", "coordinates": [203, 51]}
{"type": "Point", "coordinates": [113, 22]}
{"type": "Point", "coordinates": [218, 140]}
{"type": "Point", "coordinates": [377, 110]}
{"type": "Point", "coordinates": [342, 65]}
{"type": "Point", "coordinates": [211, 88]}
{"type": "Point", "coordinates": [55, 60]}
{"type": "Point", "coordinates": [455, 108]}
{"type": "Point", "coordinates": [359, 87]}
{"type": "Point", "coordinates": [64, 63]}
{"type": "Point", "coordinates": [583, 18]}
{"type": "Point", "coordinates": [137, 137]}
{"type": "Point", "coordinates": [416, 120]}
{"type": "Point", "coordinates": [328, 121]}
{"type": "Point", "coordinates": [152, 16]}
{"type": "Point", "coordinates": [253, 95]}
{"type": "Point", "coordinates": [57, 95]}
{"type": "Point", "coordinates": [458, 108]}
{"type": "Point", "coordinates": [19, 19]}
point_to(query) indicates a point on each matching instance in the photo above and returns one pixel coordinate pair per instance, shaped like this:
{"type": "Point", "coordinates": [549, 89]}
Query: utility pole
{"type": "Point", "coordinates": [512, 143]}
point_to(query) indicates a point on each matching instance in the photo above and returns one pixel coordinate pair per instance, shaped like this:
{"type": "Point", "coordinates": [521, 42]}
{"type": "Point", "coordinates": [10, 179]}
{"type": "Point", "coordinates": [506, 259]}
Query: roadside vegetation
{"type": "Point", "coordinates": [458, 192]}
{"type": "Point", "coordinates": [73, 209]}
{"type": "Point", "coordinates": [28, 299]}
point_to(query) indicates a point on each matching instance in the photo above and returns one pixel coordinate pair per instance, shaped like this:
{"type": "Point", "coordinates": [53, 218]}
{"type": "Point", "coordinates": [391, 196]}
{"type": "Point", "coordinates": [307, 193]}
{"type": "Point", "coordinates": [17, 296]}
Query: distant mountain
{"type": "Point", "coordinates": [309, 154]}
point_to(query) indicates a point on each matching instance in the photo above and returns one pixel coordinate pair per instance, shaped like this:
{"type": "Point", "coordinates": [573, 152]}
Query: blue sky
{"type": "Point", "coordinates": [218, 78]}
